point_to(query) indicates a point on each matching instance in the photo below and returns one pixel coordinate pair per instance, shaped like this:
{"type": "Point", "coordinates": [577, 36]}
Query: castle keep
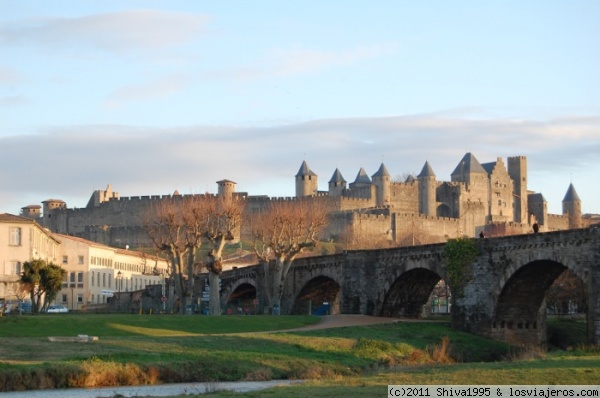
{"type": "Point", "coordinates": [491, 199]}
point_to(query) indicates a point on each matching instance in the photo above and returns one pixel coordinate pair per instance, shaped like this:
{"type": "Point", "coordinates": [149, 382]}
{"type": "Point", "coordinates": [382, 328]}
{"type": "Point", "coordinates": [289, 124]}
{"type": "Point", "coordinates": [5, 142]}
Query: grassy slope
{"type": "Point", "coordinates": [161, 349]}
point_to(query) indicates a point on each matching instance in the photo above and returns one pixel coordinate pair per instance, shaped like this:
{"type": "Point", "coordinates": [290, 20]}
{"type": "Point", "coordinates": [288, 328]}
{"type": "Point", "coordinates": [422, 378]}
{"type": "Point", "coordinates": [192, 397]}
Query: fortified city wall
{"type": "Point", "coordinates": [479, 198]}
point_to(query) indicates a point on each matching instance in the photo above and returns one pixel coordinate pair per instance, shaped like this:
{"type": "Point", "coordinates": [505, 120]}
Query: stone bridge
{"type": "Point", "coordinates": [504, 299]}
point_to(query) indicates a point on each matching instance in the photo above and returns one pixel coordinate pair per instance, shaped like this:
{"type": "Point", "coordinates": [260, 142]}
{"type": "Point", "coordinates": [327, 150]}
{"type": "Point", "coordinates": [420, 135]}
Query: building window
{"type": "Point", "coordinates": [80, 260]}
{"type": "Point", "coordinates": [103, 280]}
{"type": "Point", "coordinates": [79, 298]}
{"type": "Point", "coordinates": [14, 238]}
{"type": "Point", "coordinates": [15, 268]}
{"type": "Point", "coordinates": [109, 280]}
{"type": "Point", "coordinates": [65, 259]}
{"type": "Point", "coordinates": [80, 280]}
{"type": "Point", "coordinates": [92, 279]}
{"type": "Point", "coordinates": [64, 298]}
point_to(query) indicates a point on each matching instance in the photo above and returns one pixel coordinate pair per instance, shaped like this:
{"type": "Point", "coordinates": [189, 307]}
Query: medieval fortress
{"type": "Point", "coordinates": [490, 199]}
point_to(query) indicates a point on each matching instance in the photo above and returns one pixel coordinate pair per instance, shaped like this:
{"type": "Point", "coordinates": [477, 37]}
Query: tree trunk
{"type": "Point", "coordinates": [189, 297]}
{"type": "Point", "coordinates": [35, 304]}
{"type": "Point", "coordinates": [214, 304]}
{"type": "Point", "coordinates": [179, 284]}
{"type": "Point", "coordinates": [277, 286]}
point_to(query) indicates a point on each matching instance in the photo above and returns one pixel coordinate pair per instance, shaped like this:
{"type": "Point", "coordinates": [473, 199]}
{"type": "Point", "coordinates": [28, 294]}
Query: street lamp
{"type": "Point", "coordinates": [119, 276]}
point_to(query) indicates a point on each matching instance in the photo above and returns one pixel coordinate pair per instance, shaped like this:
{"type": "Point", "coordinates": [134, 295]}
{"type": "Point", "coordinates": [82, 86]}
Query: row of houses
{"type": "Point", "coordinates": [94, 272]}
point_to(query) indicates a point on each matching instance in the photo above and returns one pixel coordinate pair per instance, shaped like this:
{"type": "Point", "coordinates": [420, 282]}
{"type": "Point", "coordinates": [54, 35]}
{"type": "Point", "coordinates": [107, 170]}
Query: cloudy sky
{"type": "Point", "coordinates": [153, 96]}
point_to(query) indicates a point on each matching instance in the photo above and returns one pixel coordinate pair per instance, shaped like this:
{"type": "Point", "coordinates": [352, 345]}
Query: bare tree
{"type": "Point", "coordinates": [222, 221]}
{"type": "Point", "coordinates": [283, 230]}
{"type": "Point", "coordinates": [178, 226]}
{"type": "Point", "coordinates": [165, 225]}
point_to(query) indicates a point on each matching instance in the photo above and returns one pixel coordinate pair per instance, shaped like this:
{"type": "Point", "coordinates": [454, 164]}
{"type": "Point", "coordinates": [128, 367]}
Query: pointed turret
{"type": "Point", "coordinates": [382, 180]}
{"type": "Point", "coordinates": [382, 172]}
{"type": "Point", "coordinates": [337, 184]}
{"type": "Point", "coordinates": [362, 186]}
{"type": "Point", "coordinates": [572, 207]}
{"type": "Point", "coordinates": [362, 177]}
{"type": "Point", "coordinates": [571, 195]}
{"type": "Point", "coordinates": [306, 181]}
{"type": "Point", "coordinates": [427, 191]}
{"type": "Point", "coordinates": [427, 171]}
{"type": "Point", "coordinates": [305, 170]}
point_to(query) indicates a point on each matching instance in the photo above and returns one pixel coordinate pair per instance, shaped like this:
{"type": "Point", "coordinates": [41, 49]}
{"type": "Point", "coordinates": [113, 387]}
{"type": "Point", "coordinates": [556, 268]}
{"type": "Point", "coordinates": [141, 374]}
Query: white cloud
{"type": "Point", "coordinates": [143, 161]}
{"type": "Point", "coordinates": [116, 32]}
{"type": "Point", "coordinates": [160, 88]}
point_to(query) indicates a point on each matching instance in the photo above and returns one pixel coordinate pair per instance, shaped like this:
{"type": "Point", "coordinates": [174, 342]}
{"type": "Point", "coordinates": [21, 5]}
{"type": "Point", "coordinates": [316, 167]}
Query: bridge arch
{"type": "Point", "coordinates": [240, 294]}
{"type": "Point", "coordinates": [519, 314]}
{"type": "Point", "coordinates": [315, 293]}
{"type": "Point", "coordinates": [409, 292]}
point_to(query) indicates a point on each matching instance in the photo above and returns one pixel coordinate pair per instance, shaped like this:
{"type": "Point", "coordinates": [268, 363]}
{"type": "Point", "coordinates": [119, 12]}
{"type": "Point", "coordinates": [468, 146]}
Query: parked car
{"type": "Point", "coordinates": [55, 309]}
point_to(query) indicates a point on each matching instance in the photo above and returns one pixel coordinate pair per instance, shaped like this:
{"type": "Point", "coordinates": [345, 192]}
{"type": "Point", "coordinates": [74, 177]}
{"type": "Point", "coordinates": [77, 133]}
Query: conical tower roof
{"type": "Point", "coordinates": [362, 177]}
{"type": "Point", "coordinates": [305, 170]}
{"type": "Point", "coordinates": [382, 172]}
{"type": "Point", "coordinates": [427, 171]}
{"type": "Point", "coordinates": [571, 195]}
{"type": "Point", "coordinates": [337, 177]}
{"type": "Point", "coordinates": [468, 165]}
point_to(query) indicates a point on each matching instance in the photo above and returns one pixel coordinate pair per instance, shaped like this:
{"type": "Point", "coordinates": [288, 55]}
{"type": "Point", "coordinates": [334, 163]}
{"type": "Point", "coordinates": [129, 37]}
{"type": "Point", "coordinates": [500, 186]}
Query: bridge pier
{"type": "Point", "coordinates": [505, 297]}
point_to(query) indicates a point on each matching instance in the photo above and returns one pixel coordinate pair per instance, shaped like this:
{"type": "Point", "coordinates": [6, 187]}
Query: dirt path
{"type": "Point", "coordinates": [339, 321]}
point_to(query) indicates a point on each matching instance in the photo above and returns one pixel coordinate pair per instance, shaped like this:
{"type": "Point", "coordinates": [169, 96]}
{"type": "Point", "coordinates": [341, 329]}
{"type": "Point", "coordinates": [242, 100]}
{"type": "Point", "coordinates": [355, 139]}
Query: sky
{"type": "Point", "coordinates": [157, 96]}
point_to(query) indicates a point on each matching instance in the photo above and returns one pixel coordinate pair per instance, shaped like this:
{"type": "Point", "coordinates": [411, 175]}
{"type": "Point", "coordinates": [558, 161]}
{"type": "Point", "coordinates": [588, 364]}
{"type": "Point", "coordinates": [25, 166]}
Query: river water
{"type": "Point", "coordinates": [164, 390]}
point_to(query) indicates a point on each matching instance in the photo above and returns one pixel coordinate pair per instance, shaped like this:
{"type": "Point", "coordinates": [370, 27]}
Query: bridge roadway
{"type": "Point", "coordinates": [504, 298]}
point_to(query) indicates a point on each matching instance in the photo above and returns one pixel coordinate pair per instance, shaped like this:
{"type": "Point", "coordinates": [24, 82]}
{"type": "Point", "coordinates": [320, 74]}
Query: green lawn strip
{"type": "Point", "coordinates": [148, 325]}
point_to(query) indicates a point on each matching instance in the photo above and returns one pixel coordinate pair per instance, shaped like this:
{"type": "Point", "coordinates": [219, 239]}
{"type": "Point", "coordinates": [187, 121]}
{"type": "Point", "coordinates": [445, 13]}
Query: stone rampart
{"type": "Point", "coordinates": [557, 222]}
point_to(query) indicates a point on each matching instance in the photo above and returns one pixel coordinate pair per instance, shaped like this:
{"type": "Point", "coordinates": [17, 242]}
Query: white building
{"type": "Point", "coordinates": [95, 272]}
{"type": "Point", "coordinates": [21, 239]}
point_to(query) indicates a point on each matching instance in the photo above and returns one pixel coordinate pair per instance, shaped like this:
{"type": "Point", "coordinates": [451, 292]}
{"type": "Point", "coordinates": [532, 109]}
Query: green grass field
{"type": "Point", "coordinates": [134, 349]}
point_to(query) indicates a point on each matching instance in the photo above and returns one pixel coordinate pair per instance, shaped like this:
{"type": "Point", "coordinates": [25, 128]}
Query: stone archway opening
{"type": "Point", "coordinates": [443, 210]}
{"type": "Point", "coordinates": [410, 294]}
{"type": "Point", "coordinates": [319, 296]}
{"type": "Point", "coordinates": [242, 301]}
{"type": "Point", "coordinates": [522, 308]}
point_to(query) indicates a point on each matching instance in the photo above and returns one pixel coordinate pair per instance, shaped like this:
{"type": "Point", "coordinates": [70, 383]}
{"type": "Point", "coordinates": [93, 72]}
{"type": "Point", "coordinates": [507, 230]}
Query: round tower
{"type": "Point", "coordinates": [306, 181]}
{"type": "Point", "coordinates": [51, 208]}
{"type": "Point", "coordinates": [427, 191]}
{"type": "Point", "coordinates": [226, 188]}
{"type": "Point", "coordinates": [32, 211]}
{"type": "Point", "coordinates": [571, 205]}
{"type": "Point", "coordinates": [382, 181]}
